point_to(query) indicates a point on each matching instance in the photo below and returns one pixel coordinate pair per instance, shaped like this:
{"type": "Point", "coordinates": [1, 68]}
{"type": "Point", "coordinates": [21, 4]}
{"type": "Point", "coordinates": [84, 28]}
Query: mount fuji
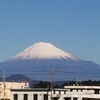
{"type": "Point", "coordinates": [42, 59]}
{"type": "Point", "coordinates": [43, 50]}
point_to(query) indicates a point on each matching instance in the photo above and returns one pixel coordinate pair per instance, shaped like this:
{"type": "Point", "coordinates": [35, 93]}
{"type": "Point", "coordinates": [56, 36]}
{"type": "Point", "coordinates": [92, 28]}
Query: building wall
{"type": "Point", "coordinates": [8, 86]}
{"type": "Point", "coordinates": [70, 93]}
{"type": "Point", "coordinates": [30, 95]}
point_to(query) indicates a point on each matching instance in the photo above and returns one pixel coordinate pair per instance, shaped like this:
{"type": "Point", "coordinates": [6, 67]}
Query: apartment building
{"type": "Point", "coordinates": [67, 93]}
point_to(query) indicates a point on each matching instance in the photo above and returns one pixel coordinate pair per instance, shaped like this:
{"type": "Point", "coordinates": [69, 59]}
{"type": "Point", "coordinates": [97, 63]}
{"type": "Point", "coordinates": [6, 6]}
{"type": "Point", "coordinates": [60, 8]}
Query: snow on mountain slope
{"type": "Point", "coordinates": [44, 50]}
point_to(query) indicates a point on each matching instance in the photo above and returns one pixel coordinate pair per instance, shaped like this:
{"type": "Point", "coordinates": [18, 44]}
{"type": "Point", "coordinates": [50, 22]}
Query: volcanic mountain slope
{"type": "Point", "coordinates": [44, 51]}
{"type": "Point", "coordinates": [38, 60]}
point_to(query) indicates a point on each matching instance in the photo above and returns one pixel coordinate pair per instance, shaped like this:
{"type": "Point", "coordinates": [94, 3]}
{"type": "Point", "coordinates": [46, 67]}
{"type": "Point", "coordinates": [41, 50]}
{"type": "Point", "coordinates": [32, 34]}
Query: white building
{"type": "Point", "coordinates": [67, 93]}
{"type": "Point", "coordinates": [6, 86]}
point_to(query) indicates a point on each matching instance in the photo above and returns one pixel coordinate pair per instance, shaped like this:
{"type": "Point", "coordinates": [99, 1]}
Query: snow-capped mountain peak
{"type": "Point", "coordinates": [43, 50]}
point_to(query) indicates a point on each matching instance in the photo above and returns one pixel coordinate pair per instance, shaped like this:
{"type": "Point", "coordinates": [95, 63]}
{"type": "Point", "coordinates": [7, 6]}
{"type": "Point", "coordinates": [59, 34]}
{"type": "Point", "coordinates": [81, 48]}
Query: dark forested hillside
{"type": "Point", "coordinates": [45, 84]}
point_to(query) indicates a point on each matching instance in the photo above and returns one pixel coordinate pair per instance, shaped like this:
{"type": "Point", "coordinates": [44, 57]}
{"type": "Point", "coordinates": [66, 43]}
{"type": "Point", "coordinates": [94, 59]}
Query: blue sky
{"type": "Point", "coordinates": [72, 25]}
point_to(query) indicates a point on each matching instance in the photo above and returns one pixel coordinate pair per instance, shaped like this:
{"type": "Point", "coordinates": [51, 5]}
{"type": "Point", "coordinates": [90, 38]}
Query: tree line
{"type": "Point", "coordinates": [47, 84]}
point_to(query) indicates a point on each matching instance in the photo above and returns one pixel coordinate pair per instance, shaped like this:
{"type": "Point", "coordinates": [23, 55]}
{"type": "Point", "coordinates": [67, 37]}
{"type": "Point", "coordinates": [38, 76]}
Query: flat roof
{"type": "Point", "coordinates": [38, 89]}
{"type": "Point", "coordinates": [81, 87]}
{"type": "Point", "coordinates": [58, 89]}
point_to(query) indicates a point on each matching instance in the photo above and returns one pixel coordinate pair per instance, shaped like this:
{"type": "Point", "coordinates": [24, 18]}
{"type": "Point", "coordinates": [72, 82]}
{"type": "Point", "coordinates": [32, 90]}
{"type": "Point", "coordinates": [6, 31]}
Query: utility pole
{"type": "Point", "coordinates": [77, 81]}
{"type": "Point", "coordinates": [52, 73]}
{"type": "Point", "coordinates": [4, 75]}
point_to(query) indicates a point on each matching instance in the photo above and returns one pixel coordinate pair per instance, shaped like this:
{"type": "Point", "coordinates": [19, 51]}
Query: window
{"type": "Point", "coordinates": [55, 98]}
{"type": "Point", "coordinates": [35, 97]}
{"type": "Point", "coordinates": [45, 97]}
{"type": "Point", "coordinates": [54, 92]}
{"type": "Point", "coordinates": [25, 96]}
{"type": "Point", "coordinates": [67, 98]}
{"type": "Point", "coordinates": [64, 92]}
{"type": "Point", "coordinates": [71, 90]}
{"type": "Point", "coordinates": [15, 96]}
{"type": "Point", "coordinates": [96, 91]}
{"type": "Point", "coordinates": [74, 98]}
{"type": "Point", "coordinates": [59, 92]}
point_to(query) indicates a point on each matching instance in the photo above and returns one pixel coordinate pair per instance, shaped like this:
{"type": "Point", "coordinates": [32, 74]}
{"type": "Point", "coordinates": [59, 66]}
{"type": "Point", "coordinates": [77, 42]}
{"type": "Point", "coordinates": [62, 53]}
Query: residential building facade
{"type": "Point", "coordinates": [5, 88]}
{"type": "Point", "coordinates": [67, 93]}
